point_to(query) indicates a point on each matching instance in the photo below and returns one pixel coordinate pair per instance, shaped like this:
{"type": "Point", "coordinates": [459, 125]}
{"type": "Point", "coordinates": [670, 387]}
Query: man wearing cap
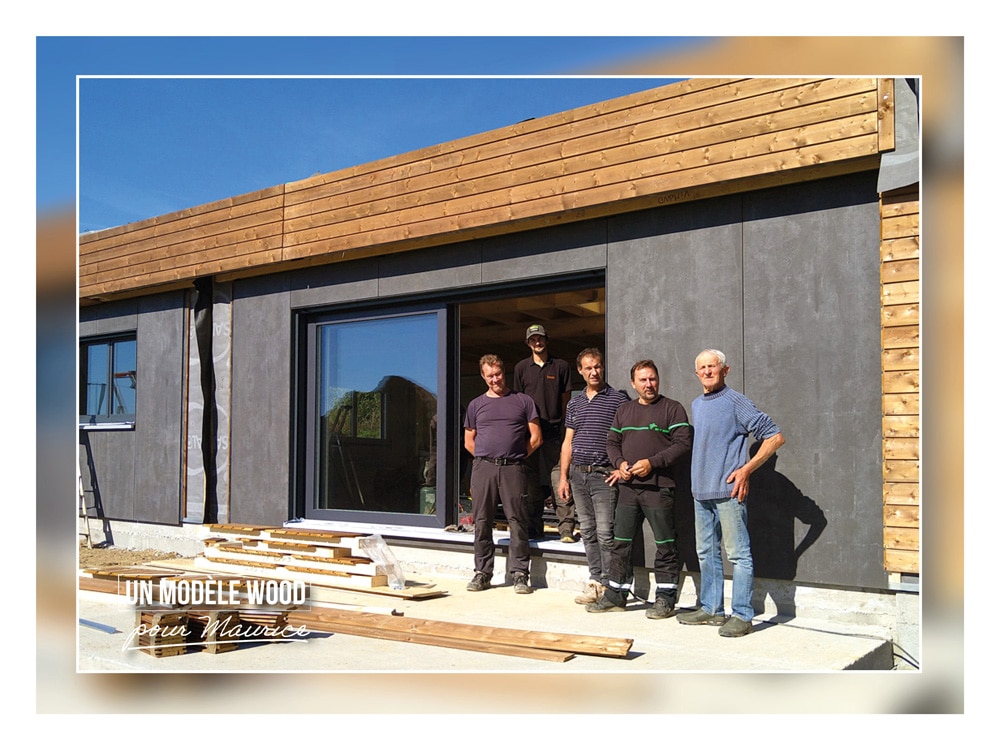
{"type": "Point", "coordinates": [501, 432]}
{"type": "Point", "coordinates": [547, 380]}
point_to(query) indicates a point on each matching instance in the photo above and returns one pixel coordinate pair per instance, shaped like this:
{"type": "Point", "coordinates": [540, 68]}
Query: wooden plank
{"type": "Point", "coordinates": [901, 359]}
{"type": "Point", "coordinates": [901, 493]}
{"type": "Point", "coordinates": [901, 381]}
{"type": "Point", "coordinates": [900, 270]}
{"type": "Point", "coordinates": [903, 248]}
{"type": "Point", "coordinates": [899, 538]}
{"type": "Point", "coordinates": [902, 561]}
{"type": "Point", "coordinates": [901, 449]}
{"type": "Point", "coordinates": [578, 644]}
{"type": "Point", "coordinates": [899, 205]}
{"type": "Point", "coordinates": [312, 535]}
{"type": "Point", "coordinates": [886, 114]}
{"type": "Point", "coordinates": [901, 337]}
{"type": "Point", "coordinates": [901, 403]}
{"type": "Point", "coordinates": [901, 315]}
{"type": "Point", "coordinates": [907, 225]}
{"type": "Point", "coordinates": [901, 293]}
{"type": "Point", "coordinates": [901, 471]}
{"type": "Point", "coordinates": [901, 425]}
{"type": "Point", "coordinates": [901, 515]}
{"type": "Point", "coordinates": [346, 628]}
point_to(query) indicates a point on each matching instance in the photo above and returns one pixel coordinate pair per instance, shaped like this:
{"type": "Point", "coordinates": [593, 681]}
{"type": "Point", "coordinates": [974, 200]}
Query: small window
{"type": "Point", "coordinates": [107, 380]}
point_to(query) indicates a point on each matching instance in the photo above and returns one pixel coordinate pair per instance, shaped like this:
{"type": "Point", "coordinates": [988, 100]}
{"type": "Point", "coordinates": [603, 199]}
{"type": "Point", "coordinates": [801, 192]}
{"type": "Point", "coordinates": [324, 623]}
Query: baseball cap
{"type": "Point", "coordinates": [535, 330]}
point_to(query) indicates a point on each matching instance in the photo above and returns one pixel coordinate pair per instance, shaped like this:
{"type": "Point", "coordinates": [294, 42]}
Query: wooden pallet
{"type": "Point", "coordinates": [214, 631]}
{"type": "Point", "coordinates": [162, 632]}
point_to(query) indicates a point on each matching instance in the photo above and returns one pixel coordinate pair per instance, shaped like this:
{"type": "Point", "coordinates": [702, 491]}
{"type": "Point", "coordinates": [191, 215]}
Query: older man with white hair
{"type": "Point", "coordinates": [723, 420]}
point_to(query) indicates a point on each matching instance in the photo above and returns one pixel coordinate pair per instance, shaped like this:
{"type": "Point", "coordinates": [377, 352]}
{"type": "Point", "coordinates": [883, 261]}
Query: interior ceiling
{"type": "Point", "coordinates": [574, 320]}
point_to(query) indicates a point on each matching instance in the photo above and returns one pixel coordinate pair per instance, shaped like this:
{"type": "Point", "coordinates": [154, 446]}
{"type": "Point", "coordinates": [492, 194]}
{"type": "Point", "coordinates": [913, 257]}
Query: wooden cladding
{"type": "Point", "coordinates": [675, 143]}
{"type": "Point", "coordinates": [900, 271]}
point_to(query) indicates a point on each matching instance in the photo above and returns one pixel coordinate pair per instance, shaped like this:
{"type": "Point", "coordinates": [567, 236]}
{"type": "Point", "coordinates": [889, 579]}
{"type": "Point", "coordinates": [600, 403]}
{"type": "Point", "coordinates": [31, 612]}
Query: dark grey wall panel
{"type": "Point", "coordinates": [107, 467]}
{"type": "Point", "coordinates": [138, 472]}
{"type": "Point", "coordinates": [786, 283]}
{"type": "Point", "coordinates": [812, 360]}
{"type": "Point", "coordinates": [109, 319]}
{"type": "Point", "coordinates": [261, 408]}
{"type": "Point", "coordinates": [545, 252]}
{"type": "Point", "coordinates": [160, 345]}
{"type": "Point", "coordinates": [330, 285]}
{"type": "Point", "coordinates": [430, 270]}
{"type": "Point", "coordinates": [674, 285]}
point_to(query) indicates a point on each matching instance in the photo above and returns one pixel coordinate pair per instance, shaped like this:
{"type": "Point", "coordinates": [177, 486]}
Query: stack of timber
{"type": "Point", "coordinates": [529, 644]}
{"type": "Point", "coordinates": [118, 578]}
{"type": "Point", "coordinates": [323, 558]}
{"type": "Point", "coordinates": [162, 633]}
{"type": "Point", "coordinates": [215, 631]}
{"type": "Point", "coordinates": [126, 580]}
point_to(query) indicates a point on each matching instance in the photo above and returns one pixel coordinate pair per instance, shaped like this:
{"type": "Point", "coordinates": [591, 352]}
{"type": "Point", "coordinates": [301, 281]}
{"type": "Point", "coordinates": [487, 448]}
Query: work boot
{"type": "Point", "coordinates": [592, 593]}
{"type": "Point", "coordinates": [700, 617]}
{"type": "Point", "coordinates": [735, 627]}
{"type": "Point", "coordinates": [610, 601]}
{"type": "Point", "coordinates": [663, 607]}
{"type": "Point", "coordinates": [521, 584]}
{"type": "Point", "coordinates": [479, 582]}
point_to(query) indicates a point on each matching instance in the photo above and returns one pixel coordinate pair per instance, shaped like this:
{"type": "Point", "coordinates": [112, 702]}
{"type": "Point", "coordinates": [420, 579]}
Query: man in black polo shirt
{"type": "Point", "coordinates": [547, 380]}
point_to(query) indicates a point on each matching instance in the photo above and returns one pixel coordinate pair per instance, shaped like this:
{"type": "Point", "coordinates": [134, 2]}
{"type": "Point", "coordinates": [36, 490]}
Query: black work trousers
{"type": "Point", "coordinates": [656, 506]}
{"type": "Point", "coordinates": [507, 485]}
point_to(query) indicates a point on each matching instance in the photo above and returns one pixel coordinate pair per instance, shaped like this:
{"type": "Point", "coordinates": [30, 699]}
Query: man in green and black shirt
{"type": "Point", "coordinates": [648, 437]}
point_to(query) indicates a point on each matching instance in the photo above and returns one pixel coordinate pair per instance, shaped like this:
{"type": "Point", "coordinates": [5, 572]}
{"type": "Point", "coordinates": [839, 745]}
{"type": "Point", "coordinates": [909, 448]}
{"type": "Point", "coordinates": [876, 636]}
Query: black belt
{"type": "Point", "coordinates": [501, 461]}
{"type": "Point", "coordinates": [591, 468]}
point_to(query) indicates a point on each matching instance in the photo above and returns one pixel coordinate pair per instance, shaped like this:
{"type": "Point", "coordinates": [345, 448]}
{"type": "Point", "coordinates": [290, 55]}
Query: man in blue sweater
{"type": "Point", "coordinates": [724, 420]}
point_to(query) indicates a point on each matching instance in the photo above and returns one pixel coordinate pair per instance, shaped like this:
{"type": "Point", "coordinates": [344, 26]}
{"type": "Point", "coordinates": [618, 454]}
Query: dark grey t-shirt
{"type": "Point", "coordinates": [501, 424]}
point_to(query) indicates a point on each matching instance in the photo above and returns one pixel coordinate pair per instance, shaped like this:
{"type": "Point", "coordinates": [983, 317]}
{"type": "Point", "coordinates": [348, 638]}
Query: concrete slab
{"type": "Point", "coordinates": [775, 646]}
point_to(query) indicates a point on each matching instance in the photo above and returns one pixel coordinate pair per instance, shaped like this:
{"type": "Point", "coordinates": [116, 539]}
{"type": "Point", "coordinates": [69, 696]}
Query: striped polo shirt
{"type": "Point", "coordinates": [590, 420]}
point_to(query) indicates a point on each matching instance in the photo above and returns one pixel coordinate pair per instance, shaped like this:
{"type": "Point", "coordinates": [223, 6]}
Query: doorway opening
{"type": "Point", "coordinates": [574, 320]}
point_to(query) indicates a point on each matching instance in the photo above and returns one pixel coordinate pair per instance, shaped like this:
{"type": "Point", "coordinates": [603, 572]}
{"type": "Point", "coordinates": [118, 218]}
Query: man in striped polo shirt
{"type": "Point", "coordinates": [648, 439]}
{"type": "Point", "coordinates": [584, 467]}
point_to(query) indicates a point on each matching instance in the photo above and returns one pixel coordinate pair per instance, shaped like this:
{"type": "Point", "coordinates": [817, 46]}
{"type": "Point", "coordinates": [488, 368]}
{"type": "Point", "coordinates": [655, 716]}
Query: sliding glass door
{"type": "Point", "coordinates": [372, 414]}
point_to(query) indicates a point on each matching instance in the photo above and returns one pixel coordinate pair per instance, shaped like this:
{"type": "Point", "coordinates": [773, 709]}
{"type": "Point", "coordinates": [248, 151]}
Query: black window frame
{"type": "Point", "coordinates": [107, 419]}
{"type": "Point", "coordinates": [304, 482]}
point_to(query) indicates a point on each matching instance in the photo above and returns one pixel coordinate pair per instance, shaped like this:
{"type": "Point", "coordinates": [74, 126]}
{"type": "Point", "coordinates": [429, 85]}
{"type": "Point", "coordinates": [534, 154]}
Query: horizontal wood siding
{"type": "Point", "coordinates": [681, 142]}
{"type": "Point", "coordinates": [900, 269]}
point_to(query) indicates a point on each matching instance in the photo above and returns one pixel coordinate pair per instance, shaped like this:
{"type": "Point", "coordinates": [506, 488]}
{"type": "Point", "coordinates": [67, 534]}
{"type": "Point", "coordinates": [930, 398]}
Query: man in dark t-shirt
{"type": "Point", "coordinates": [501, 432]}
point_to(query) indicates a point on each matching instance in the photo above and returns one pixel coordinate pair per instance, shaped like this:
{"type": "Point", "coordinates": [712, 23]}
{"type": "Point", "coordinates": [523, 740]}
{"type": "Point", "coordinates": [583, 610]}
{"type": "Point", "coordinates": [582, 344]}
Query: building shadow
{"type": "Point", "coordinates": [777, 508]}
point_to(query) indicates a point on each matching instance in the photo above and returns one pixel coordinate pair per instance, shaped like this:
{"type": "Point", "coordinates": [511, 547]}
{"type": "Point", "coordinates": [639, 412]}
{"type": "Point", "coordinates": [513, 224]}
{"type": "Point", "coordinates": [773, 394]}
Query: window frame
{"type": "Point", "coordinates": [107, 419]}
{"type": "Point", "coordinates": [305, 481]}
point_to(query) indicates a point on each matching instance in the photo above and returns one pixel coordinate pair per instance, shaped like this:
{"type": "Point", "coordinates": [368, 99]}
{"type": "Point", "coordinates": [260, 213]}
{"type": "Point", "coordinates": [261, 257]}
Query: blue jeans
{"type": "Point", "coordinates": [595, 509]}
{"type": "Point", "coordinates": [719, 523]}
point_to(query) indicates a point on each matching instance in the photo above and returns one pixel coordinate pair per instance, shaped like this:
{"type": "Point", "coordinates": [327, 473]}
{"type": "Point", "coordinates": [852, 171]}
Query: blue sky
{"type": "Point", "coordinates": [167, 123]}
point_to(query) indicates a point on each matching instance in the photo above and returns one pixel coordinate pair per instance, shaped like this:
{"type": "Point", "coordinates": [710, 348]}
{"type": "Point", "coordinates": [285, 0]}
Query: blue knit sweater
{"type": "Point", "coordinates": [723, 423]}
